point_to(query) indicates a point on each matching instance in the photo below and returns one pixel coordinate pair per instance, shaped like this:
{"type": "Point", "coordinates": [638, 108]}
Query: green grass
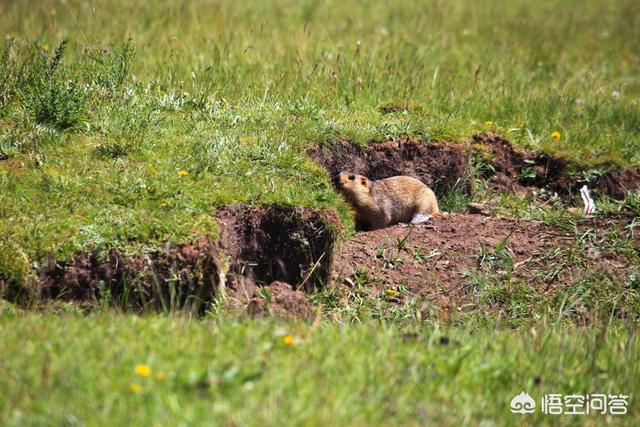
{"type": "Point", "coordinates": [154, 113]}
{"type": "Point", "coordinates": [56, 371]}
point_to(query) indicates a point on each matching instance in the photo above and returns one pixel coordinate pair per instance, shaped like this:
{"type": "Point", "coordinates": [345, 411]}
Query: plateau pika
{"type": "Point", "coordinates": [389, 201]}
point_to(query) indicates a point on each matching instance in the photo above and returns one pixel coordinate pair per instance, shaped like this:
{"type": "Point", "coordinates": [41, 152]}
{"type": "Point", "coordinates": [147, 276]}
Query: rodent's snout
{"type": "Point", "coordinates": [336, 180]}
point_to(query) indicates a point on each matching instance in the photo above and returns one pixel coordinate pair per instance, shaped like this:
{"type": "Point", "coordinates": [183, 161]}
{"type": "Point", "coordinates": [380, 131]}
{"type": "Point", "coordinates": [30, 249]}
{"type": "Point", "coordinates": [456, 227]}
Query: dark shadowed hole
{"type": "Point", "coordinates": [289, 244]}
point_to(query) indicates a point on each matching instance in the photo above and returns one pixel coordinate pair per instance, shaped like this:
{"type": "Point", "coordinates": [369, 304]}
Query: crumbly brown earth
{"type": "Point", "coordinates": [437, 261]}
{"type": "Point", "coordinates": [513, 169]}
{"type": "Point", "coordinates": [259, 246]}
{"type": "Point", "coordinates": [178, 277]}
{"type": "Point", "coordinates": [278, 299]}
{"type": "Point", "coordinates": [446, 165]}
{"type": "Point", "coordinates": [441, 165]}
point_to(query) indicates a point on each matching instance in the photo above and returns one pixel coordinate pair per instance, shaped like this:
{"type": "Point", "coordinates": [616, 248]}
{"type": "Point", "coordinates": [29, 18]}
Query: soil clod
{"type": "Point", "coordinates": [479, 209]}
{"type": "Point", "coordinates": [279, 299]}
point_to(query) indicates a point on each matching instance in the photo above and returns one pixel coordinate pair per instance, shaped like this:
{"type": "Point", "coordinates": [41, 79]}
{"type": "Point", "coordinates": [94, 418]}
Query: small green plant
{"type": "Point", "coordinates": [109, 68]}
{"type": "Point", "coordinates": [528, 172]}
{"type": "Point", "coordinates": [266, 296]}
{"type": "Point", "coordinates": [500, 258]}
{"type": "Point", "coordinates": [361, 277]}
{"type": "Point", "coordinates": [420, 257]}
{"type": "Point", "coordinates": [402, 243]}
{"type": "Point", "coordinates": [454, 199]}
{"type": "Point", "coordinates": [389, 259]}
{"type": "Point", "coordinates": [47, 91]}
{"type": "Point", "coordinates": [589, 175]}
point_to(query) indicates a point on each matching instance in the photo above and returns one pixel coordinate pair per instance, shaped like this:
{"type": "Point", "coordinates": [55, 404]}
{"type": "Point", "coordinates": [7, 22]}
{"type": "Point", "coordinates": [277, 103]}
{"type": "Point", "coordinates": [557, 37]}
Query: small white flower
{"type": "Point", "coordinates": [615, 95]}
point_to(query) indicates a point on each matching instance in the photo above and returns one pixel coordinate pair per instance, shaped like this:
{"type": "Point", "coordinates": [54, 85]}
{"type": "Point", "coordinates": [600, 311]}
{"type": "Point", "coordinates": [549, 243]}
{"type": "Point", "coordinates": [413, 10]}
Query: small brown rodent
{"type": "Point", "coordinates": [389, 201]}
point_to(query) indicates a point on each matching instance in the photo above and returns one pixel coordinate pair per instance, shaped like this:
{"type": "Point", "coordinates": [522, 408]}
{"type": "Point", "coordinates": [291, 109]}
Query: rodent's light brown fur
{"type": "Point", "coordinates": [389, 201]}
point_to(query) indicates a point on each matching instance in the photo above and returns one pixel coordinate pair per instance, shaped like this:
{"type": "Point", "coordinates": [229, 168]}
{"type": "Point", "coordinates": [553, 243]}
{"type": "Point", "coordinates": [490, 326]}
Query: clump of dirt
{"type": "Point", "coordinates": [277, 243]}
{"type": "Point", "coordinates": [279, 299]}
{"type": "Point", "coordinates": [446, 165]}
{"type": "Point", "coordinates": [511, 168]}
{"type": "Point", "coordinates": [440, 165]}
{"type": "Point", "coordinates": [181, 277]}
{"type": "Point", "coordinates": [617, 183]}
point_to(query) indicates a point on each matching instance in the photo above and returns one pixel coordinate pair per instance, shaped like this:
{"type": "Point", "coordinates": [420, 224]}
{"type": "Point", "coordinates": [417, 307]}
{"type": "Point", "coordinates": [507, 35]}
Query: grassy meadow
{"type": "Point", "coordinates": [124, 124]}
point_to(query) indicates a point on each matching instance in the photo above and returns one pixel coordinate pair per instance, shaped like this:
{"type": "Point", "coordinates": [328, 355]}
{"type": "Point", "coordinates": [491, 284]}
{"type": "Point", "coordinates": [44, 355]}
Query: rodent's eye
{"type": "Point", "coordinates": [352, 177]}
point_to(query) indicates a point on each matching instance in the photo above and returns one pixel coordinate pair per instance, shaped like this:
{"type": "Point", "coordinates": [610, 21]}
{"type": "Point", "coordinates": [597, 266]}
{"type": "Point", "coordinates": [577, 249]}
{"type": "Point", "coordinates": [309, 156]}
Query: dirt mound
{"type": "Point", "coordinates": [266, 244]}
{"type": "Point", "coordinates": [431, 260]}
{"type": "Point", "coordinates": [511, 168]}
{"type": "Point", "coordinates": [446, 262]}
{"type": "Point", "coordinates": [446, 165]}
{"type": "Point", "coordinates": [440, 165]}
{"type": "Point", "coordinates": [279, 299]}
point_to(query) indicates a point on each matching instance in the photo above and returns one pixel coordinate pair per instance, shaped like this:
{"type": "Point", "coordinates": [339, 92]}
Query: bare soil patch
{"type": "Point", "coordinates": [430, 260]}
{"type": "Point", "coordinates": [440, 165]}
{"type": "Point", "coordinates": [278, 299]}
{"type": "Point", "coordinates": [513, 169]}
{"type": "Point", "coordinates": [436, 262]}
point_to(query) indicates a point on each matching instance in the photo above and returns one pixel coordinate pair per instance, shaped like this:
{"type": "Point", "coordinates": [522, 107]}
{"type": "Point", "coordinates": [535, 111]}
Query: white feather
{"type": "Point", "coordinates": [589, 204]}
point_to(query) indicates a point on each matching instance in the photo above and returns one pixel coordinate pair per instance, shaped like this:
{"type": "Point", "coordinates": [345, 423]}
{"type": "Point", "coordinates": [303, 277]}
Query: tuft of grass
{"type": "Point", "coordinates": [46, 91]}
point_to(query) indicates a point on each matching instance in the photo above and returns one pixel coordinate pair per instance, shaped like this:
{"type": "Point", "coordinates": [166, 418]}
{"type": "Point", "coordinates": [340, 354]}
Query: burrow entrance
{"type": "Point", "coordinates": [280, 248]}
{"type": "Point", "coordinates": [446, 166]}
{"type": "Point", "coordinates": [288, 244]}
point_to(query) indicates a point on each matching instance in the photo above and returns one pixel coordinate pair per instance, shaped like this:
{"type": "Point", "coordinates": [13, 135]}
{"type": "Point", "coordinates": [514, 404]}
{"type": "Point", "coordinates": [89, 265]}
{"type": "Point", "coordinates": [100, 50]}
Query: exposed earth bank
{"type": "Point", "coordinates": [269, 258]}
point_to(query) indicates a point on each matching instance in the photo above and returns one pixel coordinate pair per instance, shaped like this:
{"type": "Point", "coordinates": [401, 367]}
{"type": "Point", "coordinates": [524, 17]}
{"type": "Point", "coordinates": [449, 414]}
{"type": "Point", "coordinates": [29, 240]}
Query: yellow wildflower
{"type": "Point", "coordinates": [183, 172]}
{"type": "Point", "coordinates": [288, 340]}
{"type": "Point", "coordinates": [489, 123]}
{"type": "Point", "coordinates": [45, 47]}
{"type": "Point", "coordinates": [135, 387]}
{"type": "Point", "coordinates": [555, 135]}
{"type": "Point", "coordinates": [392, 292]}
{"type": "Point", "coordinates": [142, 370]}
